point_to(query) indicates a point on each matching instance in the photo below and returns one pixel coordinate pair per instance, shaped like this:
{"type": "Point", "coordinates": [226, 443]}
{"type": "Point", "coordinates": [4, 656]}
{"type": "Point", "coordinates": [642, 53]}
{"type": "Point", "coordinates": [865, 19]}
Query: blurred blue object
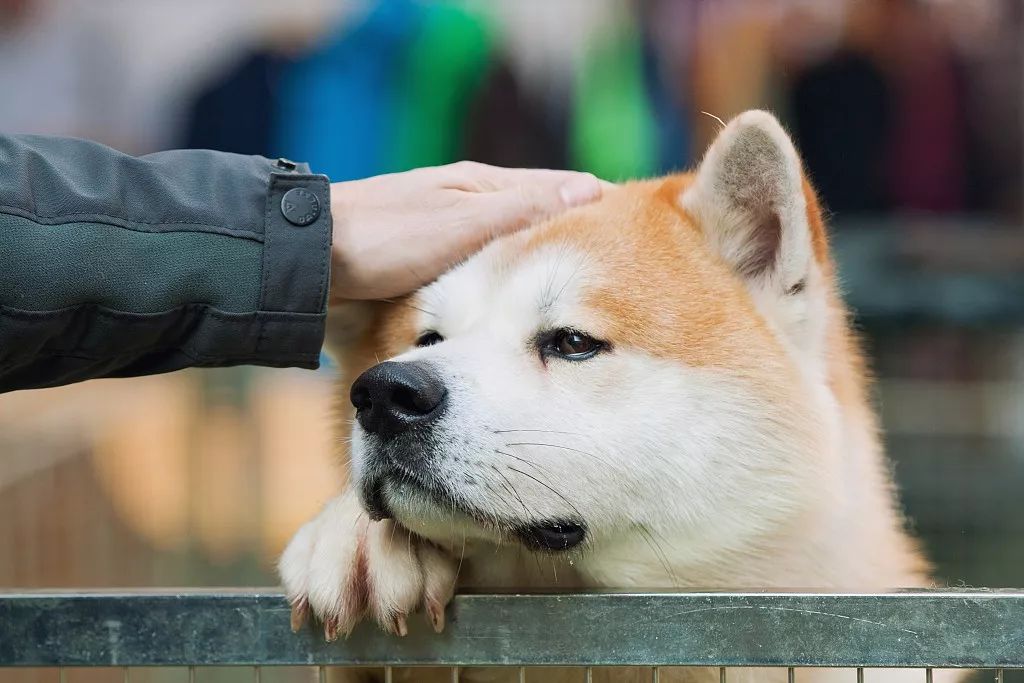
{"type": "Point", "coordinates": [670, 111]}
{"type": "Point", "coordinates": [337, 103]}
{"type": "Point", "coordinates": [326, 364]}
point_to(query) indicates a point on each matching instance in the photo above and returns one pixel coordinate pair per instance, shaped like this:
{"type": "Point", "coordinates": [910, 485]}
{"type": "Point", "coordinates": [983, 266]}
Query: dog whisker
{"type": "Point", "coordinates": [394, 527]}
{"type": "Point", "coordinates": [512, 490]}
{"type": "Point", "coordinates": [409, 305]}
{"type": "Point", "coordinates": [564, 448]}
{"type": "Point", "coordinates": [497, 494]}
{"type": "Point", "coordinates": [645, 533]}
{"type": "Point", "coordinates": [539, 431]}
{"type": "Point", "coordinates": [535, 465]}
{"type": "Point", "coordinates": [462, 557]}
{"type": "Point", "coordinates": [579, 266]}
{"type": "Point", "coordinates": [549, 488]}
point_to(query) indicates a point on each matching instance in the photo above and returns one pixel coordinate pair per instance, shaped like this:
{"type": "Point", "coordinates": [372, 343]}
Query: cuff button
{"type": "Point", "coordinates": [300, 206]}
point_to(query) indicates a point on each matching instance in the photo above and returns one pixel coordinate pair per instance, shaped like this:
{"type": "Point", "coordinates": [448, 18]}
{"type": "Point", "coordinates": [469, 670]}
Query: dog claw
{"type": "Point", "coordinates": [300, 613]}
{"type": "Point", "coordinates": [331, 629]}
{"type": "Point", "coordinates": [399, 626]}
{"type": "Point", "coordinates": [435, 613]}
{"type": "Point", "coordinates": [380, 572]}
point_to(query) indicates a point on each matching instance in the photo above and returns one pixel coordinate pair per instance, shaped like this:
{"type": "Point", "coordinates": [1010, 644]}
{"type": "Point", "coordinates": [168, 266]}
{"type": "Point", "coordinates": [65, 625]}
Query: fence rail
{"type": "Point", "coordinates": [972, 629]}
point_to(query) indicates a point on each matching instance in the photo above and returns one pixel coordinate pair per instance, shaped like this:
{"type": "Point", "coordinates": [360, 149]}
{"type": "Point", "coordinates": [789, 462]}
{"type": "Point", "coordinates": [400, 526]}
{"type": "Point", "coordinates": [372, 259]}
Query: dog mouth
{"type": "Point", "coordinates": [552, 536]}
{"type": "Point", "coordinates": [388, 485]}
{"type": "Point", "coordinates": [381, 493]}
{"type": "Point", "coordinates": [374, 501]}
{"type": "Point", "coordinates": [378, 490]}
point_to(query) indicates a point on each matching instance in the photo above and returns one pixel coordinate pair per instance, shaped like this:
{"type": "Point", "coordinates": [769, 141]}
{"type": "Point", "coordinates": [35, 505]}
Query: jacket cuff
{"type": "Point", "coordinates": [296, 265]}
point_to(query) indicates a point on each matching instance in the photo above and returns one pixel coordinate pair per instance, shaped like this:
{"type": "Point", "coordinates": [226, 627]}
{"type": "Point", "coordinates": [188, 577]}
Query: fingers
{"type": "Point", "coordinates": [440, 215]}
{"type": "Point", "coordinates": [581, 188]}
{"type": "Point", "coordinates": [536, 196]}
{"type": "Point", "coordinates": [472, 176]}
{"type": "Point", "coordinates": [573, 187]}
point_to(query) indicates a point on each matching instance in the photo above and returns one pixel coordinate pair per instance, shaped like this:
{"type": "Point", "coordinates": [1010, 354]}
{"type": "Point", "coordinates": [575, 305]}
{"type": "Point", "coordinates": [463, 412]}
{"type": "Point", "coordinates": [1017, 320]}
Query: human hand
{"type": "Point", "coordinates": [394, 233]}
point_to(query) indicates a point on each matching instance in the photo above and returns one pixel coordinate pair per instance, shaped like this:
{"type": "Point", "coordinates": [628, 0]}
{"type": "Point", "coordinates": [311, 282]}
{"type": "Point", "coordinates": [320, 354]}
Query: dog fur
{"type": "Point", "coordinates": [722, 438]}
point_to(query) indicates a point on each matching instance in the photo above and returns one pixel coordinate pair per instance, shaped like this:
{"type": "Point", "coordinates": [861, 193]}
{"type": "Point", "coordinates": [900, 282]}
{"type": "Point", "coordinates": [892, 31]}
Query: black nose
{"type": "Point", "coordinates": [393, 397]}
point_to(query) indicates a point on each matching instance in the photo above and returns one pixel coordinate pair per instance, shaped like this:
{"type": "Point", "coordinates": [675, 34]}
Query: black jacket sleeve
{"type": "Point", "coordinates": [113, 266]}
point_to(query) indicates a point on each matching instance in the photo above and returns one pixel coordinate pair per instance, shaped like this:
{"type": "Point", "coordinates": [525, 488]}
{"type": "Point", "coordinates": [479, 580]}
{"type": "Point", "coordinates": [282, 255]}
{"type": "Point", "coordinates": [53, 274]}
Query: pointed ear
{"type": "Point", "coordinates": [748, 199]}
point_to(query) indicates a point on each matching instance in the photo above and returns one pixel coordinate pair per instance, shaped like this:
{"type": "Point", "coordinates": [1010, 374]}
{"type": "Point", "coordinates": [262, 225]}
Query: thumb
{"type": "Point", "coordinates": [537, 197]}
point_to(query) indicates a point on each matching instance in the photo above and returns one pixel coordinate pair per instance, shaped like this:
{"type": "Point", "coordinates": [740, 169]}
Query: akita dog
{"type": "Point", "coordinates": [660, 389]}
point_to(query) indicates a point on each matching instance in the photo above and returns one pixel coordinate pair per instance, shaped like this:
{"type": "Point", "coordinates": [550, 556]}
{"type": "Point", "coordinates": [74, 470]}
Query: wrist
{"type": "Point", "coordinates": [342, 202]}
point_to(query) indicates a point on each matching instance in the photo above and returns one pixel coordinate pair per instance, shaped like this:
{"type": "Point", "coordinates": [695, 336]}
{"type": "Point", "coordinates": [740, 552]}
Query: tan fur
{"type": "Point", "coordinates": [650, 247]}
{"type": "Point", "coordinates": [654, 252]}
{"type": "Point", "coordinates": [657, 286]}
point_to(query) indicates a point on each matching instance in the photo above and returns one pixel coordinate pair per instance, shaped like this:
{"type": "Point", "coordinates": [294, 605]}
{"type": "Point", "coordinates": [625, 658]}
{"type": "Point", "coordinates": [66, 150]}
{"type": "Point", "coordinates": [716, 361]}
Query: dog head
{"type": "Point", "coordinates": [654, 363]}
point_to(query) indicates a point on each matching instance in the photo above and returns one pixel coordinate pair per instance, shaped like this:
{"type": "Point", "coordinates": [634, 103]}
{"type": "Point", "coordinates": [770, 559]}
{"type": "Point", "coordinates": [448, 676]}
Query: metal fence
{"type": "Point", "coordinates": [922, 629]}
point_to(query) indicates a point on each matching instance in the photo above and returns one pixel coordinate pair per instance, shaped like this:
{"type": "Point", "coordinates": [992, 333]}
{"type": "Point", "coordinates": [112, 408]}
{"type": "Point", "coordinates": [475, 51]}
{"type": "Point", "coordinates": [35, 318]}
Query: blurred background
{"type": "Point", "coordinates": [908, 114]}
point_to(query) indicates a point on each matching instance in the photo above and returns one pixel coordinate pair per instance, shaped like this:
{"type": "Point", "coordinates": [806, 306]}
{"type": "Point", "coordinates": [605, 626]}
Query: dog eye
{"type": "Point", "coordinates": [429, 338]}
{"type": "Point", "coordinates": [573, 345]}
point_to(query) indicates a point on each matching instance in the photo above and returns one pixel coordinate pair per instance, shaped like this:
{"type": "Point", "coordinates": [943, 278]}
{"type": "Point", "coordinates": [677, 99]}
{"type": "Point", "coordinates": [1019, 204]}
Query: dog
{"type": "Point", "coordinates": [661, 389]}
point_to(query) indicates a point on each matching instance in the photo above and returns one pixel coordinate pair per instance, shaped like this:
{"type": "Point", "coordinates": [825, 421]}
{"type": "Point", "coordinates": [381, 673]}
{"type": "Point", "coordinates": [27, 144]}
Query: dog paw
{"type": "Point", "coordinates": [342, 567]}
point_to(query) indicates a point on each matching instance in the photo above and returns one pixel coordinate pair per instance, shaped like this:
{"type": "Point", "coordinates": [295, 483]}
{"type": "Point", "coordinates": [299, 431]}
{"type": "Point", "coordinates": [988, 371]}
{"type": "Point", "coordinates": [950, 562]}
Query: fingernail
{"type": "Point", "coordinates": [580, 189]}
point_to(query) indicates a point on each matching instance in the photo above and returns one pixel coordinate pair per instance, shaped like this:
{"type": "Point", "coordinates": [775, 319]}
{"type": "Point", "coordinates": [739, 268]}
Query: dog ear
{"type": "Point", "coordinates": [748, 199]}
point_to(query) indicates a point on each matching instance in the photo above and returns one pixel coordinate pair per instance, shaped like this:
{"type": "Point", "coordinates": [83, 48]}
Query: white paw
{"type": "Point", "coordinates": [342, 567]}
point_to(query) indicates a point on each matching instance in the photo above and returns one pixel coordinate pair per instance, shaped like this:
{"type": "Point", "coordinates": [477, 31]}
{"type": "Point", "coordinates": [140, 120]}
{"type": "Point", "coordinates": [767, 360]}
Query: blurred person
{"type": "Point", "coordinates": [839, 102]}
{"type": "Point", "coordinates": [987, 39]}
{"type": "Point", "coordinates": [732, 66]}
{"type": "Point", "coordinates": [66, 75]}
{"type": "Point", "coordinates": [927, 159]}
{"type": "Point", "coordinates": [115, 266]}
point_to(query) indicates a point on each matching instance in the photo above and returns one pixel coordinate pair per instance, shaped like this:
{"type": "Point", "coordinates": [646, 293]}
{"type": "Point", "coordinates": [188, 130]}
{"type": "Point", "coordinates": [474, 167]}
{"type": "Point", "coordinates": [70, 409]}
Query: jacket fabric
{"type": "Point", "coordinates": [114, 266]}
